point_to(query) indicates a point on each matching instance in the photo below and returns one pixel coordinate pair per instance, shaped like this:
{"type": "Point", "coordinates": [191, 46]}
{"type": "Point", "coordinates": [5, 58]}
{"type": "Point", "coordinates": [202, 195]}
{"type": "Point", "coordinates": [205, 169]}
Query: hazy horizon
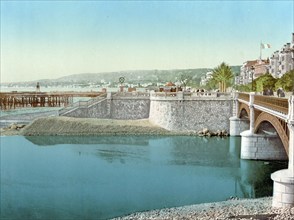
{"type": "Point", "coordinates": [48, 40]}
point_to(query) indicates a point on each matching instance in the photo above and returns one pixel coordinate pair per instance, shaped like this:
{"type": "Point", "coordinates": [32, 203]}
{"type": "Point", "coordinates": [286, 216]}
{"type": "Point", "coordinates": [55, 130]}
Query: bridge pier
{"type": "Point", "coordinates": [283, 195]}
{"type": "Point", "coordinates": [238, 125]}
{"type": "Point", "coordinates": [261, 147]}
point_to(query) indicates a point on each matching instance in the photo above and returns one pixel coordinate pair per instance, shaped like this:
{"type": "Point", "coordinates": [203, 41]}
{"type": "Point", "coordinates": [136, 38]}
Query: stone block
{"type": "Point", "coordinates": [288, 198]}
{"type": "Point", "coordinates": [279, 187]}
{"type": "Point", "coordinates": [277, 195]}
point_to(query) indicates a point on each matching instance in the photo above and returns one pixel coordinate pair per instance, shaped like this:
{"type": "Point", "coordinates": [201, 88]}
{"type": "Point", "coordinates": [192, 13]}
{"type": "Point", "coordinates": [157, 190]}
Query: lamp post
{"type": "Point", "coordinates": [292, 56]}
{"type": "Point", "coordinates": [252, 72]}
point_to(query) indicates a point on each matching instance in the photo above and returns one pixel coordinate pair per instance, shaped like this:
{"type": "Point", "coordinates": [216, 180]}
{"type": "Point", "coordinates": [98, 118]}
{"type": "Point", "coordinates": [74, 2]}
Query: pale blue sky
{"type": "Point", "coordinates": [50, 39]}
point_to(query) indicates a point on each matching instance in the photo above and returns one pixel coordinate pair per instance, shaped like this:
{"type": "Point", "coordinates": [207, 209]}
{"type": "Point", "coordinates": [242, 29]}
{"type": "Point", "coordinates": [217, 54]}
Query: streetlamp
{"type": "Point", "coordinates": [252, 72]}
{"type": "Point", "coordinates": [292, 55]}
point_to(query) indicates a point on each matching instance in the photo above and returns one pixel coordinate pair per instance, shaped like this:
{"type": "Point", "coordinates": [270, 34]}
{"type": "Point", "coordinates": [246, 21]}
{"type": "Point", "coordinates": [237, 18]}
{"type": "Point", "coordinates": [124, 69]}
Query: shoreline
{"type": "Point", "coordinates": [259, 208]}
{"type": "Point", "coordinates": [63, 126]}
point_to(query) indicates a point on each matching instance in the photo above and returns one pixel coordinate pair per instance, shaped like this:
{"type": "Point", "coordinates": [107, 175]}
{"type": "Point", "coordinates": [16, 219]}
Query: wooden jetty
{"type": "Point", "coordinates": [12, 100]}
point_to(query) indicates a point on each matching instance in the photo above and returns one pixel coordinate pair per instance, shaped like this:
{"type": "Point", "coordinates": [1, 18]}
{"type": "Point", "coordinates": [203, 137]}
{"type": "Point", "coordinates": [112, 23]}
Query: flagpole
{"type": "Point", "coordinates": [260, 50]}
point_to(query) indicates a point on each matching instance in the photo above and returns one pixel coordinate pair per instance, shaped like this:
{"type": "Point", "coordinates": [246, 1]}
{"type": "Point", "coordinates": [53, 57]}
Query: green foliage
{"type": "Point", "coordinates": [266, 81]}
{"type": "Point", "coordinates": [286, 81]}
{"type": "Point", "coordinates": [185, 78]}
{"type": "Point", "coordinates": [243, 88]}
{"type": "Point", "coordinates": [222, 76]}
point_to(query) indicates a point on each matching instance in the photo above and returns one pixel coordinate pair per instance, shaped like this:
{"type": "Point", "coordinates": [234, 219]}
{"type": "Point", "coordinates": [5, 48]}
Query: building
{"type": "Point", "coordinates": [251, 69]}
{"type": "Point", "coordinates": [206, 78]}
{"type": "Point", "coordinates": [260, 68]}
{"type": "Point", "coordinates": [277, 65]}
{"type": "Point", "coordinates": [282, 61]}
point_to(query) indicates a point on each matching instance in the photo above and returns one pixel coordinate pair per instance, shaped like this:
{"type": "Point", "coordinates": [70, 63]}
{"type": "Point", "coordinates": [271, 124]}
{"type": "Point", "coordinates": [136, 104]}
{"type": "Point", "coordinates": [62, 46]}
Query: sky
{"type": "Point", "coordinates": [51, 39]}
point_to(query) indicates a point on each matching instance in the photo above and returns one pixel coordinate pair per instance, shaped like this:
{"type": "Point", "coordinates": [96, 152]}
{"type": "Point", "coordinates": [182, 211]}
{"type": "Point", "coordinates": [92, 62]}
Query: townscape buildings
{"type": "Point", "coordinates": [277, 65]}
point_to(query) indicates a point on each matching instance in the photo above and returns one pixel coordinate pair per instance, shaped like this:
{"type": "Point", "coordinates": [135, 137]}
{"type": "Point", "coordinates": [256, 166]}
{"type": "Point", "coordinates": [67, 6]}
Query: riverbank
{"type": "Point", "coordinates": [88, 126]}
{"type": "Point", "coordinates": [232, 209]}
{"type": "Point", "coordinates": [60, 125]}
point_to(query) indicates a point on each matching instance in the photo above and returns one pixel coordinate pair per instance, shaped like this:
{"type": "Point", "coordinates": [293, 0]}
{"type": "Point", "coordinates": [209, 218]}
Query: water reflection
{"type": "Point", "coordinates": [251, 178]}
{"type": "Point", "coordinates": [56, 140]}
{"type": "Point", "coordinates": [103, 177]}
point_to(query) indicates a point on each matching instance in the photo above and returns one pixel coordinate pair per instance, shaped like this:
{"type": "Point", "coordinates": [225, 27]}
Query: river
{"type": "Point", "coordinates": [104, 177]}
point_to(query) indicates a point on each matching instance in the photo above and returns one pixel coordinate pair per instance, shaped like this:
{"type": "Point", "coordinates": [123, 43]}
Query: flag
{"type": "Point", "coordinates": [265, 46]}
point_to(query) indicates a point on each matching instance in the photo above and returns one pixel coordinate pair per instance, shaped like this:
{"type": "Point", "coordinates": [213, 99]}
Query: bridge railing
{"type": "Point", "coordinates": [244, 96]}
{"type": "Point", "coordinates": [273, 103]}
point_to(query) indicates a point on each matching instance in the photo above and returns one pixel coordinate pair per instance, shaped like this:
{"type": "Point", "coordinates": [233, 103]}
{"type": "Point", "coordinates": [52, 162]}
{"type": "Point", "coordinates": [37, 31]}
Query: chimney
{"type": "Point", "coordinates": [292, 38]}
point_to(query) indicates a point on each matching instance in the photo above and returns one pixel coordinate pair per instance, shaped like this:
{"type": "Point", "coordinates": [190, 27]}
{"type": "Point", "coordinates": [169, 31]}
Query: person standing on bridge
{"type": "Point", "coordinates": [38, 87]}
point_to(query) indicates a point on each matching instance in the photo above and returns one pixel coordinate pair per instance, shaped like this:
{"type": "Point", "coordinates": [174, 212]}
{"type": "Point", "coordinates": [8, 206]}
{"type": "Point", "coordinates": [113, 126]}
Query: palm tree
{"type": "Point", "coordinates": [223, 75]}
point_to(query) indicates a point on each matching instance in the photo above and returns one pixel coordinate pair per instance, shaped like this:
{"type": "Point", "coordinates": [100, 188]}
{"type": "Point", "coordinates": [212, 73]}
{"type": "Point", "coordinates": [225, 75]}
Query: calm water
{"type": "Point", "coordinates": [105, 177]}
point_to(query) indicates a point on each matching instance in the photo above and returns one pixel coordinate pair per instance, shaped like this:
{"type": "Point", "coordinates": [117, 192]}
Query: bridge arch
{"type": "Point", "coordinates": [242, 109]}
{"type": "Point", "coordinates": [276, 123]}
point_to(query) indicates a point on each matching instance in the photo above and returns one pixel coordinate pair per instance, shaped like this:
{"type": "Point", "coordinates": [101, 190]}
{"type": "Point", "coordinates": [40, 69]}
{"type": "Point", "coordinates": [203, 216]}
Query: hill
{"type": "Point", "coordinates": [131, 77]}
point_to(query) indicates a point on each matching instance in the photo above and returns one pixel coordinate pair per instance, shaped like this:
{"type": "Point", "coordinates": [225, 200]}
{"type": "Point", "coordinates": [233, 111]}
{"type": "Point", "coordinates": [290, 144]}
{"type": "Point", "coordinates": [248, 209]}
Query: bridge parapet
{"type": "Point", "coordinates": [278, 107]}
{"type": "Point", "coordinates": [273, 103]}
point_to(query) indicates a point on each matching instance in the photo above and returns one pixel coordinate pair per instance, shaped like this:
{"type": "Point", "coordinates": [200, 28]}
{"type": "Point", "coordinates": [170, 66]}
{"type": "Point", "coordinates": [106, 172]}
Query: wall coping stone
{"type": "Point", "coordinates": [283, 176]}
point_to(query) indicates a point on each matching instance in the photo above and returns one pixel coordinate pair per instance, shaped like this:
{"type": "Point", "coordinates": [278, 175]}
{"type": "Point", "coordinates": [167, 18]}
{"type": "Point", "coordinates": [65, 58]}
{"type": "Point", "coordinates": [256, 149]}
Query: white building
{"type": "Point", "coordinates": [206, 78]}
{"type": "Point", "coordinates": [282, 61]}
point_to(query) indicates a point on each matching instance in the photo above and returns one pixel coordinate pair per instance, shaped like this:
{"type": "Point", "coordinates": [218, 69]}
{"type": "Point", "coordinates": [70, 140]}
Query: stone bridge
{"type": "Point", "coordinates": [266, 127]}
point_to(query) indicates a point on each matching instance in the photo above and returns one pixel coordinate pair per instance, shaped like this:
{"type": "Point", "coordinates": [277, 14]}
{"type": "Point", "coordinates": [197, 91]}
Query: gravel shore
{"type": "Point", "coordinates": [90, 126]}
{"type": "Point", "coordinates": [232, 209]}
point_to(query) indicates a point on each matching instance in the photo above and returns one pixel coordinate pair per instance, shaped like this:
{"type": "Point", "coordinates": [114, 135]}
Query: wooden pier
{"type": "Point", "coordinates": [12, 100]}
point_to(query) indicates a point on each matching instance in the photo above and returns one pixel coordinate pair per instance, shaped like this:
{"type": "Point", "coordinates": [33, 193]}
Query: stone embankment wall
{"type": "Point", "coordinates": [191, 113]}
{"type": "Point", "coordinates": [96, 110]}
{"type": "Point", "coordinates": [120, 106]}
{"type": "Point", "coordinates": [174, 111]}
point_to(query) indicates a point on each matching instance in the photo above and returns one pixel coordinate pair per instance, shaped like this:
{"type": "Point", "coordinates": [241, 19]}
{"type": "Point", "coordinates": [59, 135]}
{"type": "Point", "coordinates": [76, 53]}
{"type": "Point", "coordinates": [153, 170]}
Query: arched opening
{"type": "Point", "coordinates": [269, 124]}
{"type": "Point", "coordinates": [243, 114]}
{"type": "Point", "coordinates": [266, 128]}
{"type": "Point", "coordinates": [243, 111]}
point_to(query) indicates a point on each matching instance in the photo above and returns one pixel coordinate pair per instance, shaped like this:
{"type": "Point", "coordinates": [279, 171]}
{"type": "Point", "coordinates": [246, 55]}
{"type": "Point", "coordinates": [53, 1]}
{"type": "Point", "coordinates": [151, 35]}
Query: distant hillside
{"type": "Point", "coordinates": [131, 77]}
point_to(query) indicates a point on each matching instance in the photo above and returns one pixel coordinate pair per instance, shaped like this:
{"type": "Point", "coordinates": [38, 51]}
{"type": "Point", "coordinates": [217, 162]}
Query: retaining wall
{"type": "Point", "coordinates": [191, 114]}
{"type": "Point", "coordinates": [174, 111]}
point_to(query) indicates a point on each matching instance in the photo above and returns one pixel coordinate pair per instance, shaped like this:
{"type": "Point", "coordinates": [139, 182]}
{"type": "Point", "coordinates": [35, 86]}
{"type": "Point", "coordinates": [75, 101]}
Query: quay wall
{"type": "Point", "coordinates": [175, 112]}
{"type": "Point", "coordinates": [122, 107]}
{"type": "Point", "coordinates": [192, 114]}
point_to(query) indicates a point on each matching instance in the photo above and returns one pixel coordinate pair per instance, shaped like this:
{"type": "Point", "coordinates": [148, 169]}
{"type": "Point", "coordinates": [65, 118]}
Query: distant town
{"type": "Point", "coordinates": [252, 75]}
{"type": "Point", "coordinates": [277, 65]}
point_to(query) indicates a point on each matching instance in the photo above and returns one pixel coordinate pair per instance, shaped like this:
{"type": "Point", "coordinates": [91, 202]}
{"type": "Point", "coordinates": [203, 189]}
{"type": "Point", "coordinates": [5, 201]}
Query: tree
{"type": "Point", "coordinates": [286, 81]}
{"type": "Point", "coordinates": [222, 75]}
{"type": "Point", "coordinates": [266, 81]}
{"type": "Point", "coordinates": [185, 79]}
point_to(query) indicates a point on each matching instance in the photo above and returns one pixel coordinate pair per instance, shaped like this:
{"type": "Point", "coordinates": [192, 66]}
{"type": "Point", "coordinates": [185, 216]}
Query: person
{"type": "Point", "coordinates": [38, 87]}
{"type": "Point", "coordinates": [282, 93]}
{"type": "Point", "coordinates": [279, 92]}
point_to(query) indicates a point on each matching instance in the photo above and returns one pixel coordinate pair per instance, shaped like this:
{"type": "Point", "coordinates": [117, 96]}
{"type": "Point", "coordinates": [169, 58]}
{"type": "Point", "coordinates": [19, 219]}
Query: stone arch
{"type": "Point", "coordinates": [243, 107]}
{"type": "Point", "coordinates": [274, 121]}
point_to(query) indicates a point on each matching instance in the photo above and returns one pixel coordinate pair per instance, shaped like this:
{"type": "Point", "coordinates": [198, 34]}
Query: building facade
{"type": "Point", "coordinates": [282, 61]}
{"type": "Point", "coordinates": [250, 70]}
{"type": "Point", "coordinates": [277, 65]}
